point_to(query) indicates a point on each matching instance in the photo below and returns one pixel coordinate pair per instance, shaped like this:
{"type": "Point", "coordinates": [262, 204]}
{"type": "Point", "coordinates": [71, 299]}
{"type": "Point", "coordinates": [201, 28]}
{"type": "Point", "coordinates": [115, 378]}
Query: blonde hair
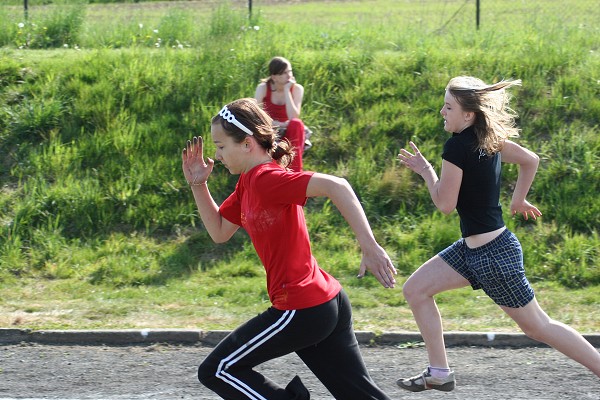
{"type": "Point", "coordinates": [494, 119]}
{"type": "Point", "coordinates": [247, 112]}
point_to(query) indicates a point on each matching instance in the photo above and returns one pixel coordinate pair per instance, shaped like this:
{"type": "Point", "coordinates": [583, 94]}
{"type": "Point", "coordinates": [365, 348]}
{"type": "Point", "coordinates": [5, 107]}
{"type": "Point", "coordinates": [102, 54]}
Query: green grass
{"type": "Point", "coordinates": [219, 301]}
{"type": "Point", "coordinates": [99, 229]}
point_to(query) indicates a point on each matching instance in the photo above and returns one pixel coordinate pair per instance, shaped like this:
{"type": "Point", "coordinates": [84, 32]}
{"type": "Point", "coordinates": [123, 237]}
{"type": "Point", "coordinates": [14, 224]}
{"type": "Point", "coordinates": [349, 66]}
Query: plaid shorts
{"type": "Point", "coordinates": [496, 267]}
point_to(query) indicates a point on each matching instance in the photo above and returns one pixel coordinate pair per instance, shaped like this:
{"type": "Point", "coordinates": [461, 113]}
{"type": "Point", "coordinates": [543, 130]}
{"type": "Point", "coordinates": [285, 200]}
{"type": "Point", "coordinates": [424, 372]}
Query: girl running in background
{"type": "Point", "coordinates": [488, 256]}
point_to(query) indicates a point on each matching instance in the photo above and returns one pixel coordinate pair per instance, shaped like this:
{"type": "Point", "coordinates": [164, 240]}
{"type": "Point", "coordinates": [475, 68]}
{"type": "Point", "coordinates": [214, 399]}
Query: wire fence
{"type": "Point", "coordinates": [488, 13]}
{"type": "Point", "coordinates": [479, 13]}
{"type": "Point", "coordinates": [438, 13]}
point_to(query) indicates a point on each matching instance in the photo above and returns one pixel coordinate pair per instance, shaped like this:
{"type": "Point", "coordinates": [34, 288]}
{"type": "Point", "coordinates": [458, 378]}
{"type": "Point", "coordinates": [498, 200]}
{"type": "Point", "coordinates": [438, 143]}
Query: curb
{"type": "Point", "coordinates": [10, 336]}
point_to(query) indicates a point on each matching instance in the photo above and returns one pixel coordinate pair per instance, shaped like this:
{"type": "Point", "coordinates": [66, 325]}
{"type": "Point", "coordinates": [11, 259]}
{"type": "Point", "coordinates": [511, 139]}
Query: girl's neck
{"type": "Point", "coordinates": [276, 87]}
{"type": "Point", "coordinates": [465, 127]}
{"type": "Point", "coordinates": [259, 161]}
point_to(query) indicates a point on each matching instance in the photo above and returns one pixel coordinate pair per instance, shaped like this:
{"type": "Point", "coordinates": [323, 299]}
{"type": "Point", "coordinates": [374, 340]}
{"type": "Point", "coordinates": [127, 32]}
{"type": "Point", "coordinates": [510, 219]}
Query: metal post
{"type": "Point", "coordinates": [478, 11]}
{"type": "Point", "coordinates": [250, 9]}
{"type": "Point", "coordinates": [26, 9]}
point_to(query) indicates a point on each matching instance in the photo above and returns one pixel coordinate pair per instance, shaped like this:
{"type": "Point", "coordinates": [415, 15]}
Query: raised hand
{"type": "Point", "coordinates": [195, 168]}
{"type": "Point", "coordinates": [415, 161]}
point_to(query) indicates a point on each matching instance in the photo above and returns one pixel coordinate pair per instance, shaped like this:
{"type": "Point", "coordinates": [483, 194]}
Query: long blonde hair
{"type": "Point", "coordinates": [494, 119]}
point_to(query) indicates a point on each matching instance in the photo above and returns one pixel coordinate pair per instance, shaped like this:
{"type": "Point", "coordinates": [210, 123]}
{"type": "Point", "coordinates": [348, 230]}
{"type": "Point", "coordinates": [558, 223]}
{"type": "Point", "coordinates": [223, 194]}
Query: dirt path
{"type": "Point", "coordinates": [33, 371]}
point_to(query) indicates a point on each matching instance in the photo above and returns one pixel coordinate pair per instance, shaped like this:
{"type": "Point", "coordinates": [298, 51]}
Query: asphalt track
{"type": "Point", "coordinates": [147, 364]}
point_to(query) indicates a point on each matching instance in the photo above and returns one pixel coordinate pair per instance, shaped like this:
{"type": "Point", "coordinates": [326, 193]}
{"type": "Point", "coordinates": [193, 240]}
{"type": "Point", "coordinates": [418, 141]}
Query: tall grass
{"type": "Point", "coordinates": [90, 137]}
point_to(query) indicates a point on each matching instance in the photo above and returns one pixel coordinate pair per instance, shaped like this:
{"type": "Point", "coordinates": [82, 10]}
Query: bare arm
{"type": "Point", "coordinates": [261, 92]}
{"type": "Point", "coordinates": [528, 163]}
{"type": "Point", "coordinates": [196, 171]}
{"type": "Point", "coordinates": [339, 191]}
{"type": "Point", "coordinates": [444, 191]}
{"type": "Point", "coordinates": [293, 100]}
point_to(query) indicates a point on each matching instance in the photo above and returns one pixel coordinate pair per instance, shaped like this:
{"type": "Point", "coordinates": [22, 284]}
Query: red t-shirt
{"type": "Point", "coordinates": [268, 203]}
{"type": "Point", "coordinates": [275, 111]}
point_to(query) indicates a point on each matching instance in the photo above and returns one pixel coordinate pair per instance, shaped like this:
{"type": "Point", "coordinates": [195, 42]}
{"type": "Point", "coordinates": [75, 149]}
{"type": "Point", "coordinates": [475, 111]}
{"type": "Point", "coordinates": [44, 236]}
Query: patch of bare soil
{"type": "Point", "coordinates": [169, 372]}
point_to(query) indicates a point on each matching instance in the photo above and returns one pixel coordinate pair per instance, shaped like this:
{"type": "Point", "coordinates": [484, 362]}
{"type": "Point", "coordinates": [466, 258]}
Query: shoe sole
{"type": "Point", "coordinates": [446, 387]}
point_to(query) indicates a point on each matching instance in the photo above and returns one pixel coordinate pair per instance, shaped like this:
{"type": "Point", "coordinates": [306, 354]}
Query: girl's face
{"type": "Point", "coordinates": [285, 76]}
{"type": "Point", "coordinates": [455, 118]}
{"type": "Point", "coordinates": [231, 154]}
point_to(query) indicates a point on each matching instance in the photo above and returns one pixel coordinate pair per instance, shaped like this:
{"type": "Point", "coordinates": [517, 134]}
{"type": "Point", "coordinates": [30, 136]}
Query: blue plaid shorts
{"type": "Point", "coordinates": [496, 267]}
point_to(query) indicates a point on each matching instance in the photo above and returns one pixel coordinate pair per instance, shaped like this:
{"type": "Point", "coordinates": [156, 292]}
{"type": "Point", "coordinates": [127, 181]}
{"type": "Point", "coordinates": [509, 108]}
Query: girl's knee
{"type": "Point", "coordinates": [410, 291]}
{"type": "Point", "coordinates": [528, 330]}
{"type": "Point", "coordinates": [295, 123]}
{"type": "Point", "coordinates": [535, 329]}
{"type": "Point", "coordinates": [295, 129]}
{"type": "Point", "coordinates": [207, 372]}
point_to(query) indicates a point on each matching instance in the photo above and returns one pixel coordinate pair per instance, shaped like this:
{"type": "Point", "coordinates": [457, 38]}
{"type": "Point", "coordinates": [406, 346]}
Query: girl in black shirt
{"type": "Point", "coordinates": [488, 256]}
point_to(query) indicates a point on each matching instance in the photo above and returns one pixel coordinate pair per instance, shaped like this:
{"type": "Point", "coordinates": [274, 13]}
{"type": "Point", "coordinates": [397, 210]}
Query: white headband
{"type": "Point", "coordinates": [229, 117]}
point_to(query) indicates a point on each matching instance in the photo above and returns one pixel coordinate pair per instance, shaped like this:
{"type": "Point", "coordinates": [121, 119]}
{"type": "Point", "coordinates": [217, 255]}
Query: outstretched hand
{"type": "Point", "coordinates": [380, 265]}
{"type": "Point", "coordinates": [195, 169]}
{"type": "Point", "coordinates": [526, 209]}
{"type": "Point", "coordinates": [415, 161]}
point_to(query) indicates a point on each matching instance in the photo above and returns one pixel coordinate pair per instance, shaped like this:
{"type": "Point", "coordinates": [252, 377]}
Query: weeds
{"type": "Point", "coordinates": [58, 28]}
{"type": "Point", "coordinates": [93, 197]}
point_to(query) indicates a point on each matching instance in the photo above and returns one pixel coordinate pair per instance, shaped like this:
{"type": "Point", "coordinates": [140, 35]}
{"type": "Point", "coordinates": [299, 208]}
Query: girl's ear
{"type": "Point", "coordinates": [469, 116]}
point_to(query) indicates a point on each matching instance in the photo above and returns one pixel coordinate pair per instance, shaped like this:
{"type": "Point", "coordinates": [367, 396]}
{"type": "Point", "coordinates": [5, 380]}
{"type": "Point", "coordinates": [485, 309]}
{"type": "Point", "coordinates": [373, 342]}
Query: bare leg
{"type": "Point", "coordinates": [433, 277]}
{"type": "Point", "coordinates": [536, 324]}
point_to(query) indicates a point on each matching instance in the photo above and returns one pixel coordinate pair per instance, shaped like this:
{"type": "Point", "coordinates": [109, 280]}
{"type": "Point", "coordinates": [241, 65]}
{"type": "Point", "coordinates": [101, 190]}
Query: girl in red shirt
{"type": "Point", "coordinates": [310, 313]}
{"type": "Point", "coordinates": [281, 97]}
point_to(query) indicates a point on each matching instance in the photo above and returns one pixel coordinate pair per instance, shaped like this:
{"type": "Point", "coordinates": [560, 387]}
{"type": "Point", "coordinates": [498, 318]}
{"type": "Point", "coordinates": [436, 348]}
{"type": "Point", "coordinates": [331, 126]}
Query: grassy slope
{"type": "Point", "coordinates": [371, 88]}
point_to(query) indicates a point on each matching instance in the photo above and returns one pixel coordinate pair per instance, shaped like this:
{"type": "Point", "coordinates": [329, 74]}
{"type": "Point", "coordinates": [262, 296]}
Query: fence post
{"type": "Point", "coordinates": [477, 16]}
{"type": "Point", "coordinates": [26, 9]}
{"type": "Point", "coordinates": [249, 9]}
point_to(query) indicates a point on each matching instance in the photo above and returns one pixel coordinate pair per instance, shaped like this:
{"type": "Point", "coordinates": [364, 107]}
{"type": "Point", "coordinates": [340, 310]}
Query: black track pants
{"type": "Point", "coordinates": [323, 338]}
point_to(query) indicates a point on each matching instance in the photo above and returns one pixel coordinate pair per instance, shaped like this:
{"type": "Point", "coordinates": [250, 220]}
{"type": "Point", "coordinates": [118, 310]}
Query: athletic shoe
{"type": "Point", "coordinates": [307, 144]}
{"type": "Point", "coordinates": [425, 381]}
{"type": "Point", "coordinates": [297, 390]}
